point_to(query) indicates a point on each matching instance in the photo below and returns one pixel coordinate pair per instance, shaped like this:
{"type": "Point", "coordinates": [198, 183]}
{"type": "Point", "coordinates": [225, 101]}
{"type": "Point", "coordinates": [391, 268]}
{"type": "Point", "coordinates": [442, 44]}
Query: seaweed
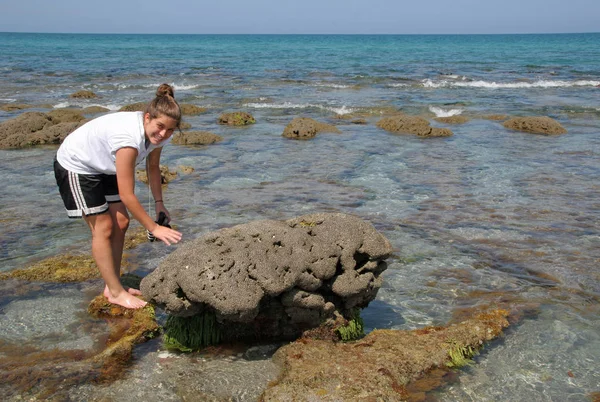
{"type": "Point", "coordinates": [355, 329]}
{"type": "Point", "coordinates": [460, 356]}
{"type": "Point", "coordinates": [188, 334]}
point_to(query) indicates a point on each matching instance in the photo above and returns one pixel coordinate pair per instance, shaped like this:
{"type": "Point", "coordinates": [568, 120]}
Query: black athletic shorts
{"type": "Point", "coordinates": [85, 194]}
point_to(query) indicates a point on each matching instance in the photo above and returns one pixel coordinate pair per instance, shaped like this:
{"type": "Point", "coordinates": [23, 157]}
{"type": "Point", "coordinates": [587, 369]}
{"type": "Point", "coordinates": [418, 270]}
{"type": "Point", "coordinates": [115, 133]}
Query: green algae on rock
{"type": "Point", "coordinates": [188, 334]}
{"type": "Point", "coordinates": [354, 329]}
{"type": "Point", "coordinates": [380, 365]}
{"type": "Point", "coordinates": [60, 268]}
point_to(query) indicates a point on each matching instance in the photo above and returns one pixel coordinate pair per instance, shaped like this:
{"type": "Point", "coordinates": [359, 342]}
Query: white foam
{"type": "Point", "coordinates": [398, 85]}
{"type": "Point", "coordinates": [9, 100]}
{"type": "Point", "coordinates": [111, 107]}
{"type": "Point", "coordinates": [439, 112]}
{"type": "Point", "coordinates": [288, 105]}
{"type": "Point", "coordinates": [285, 105]}
{"type": "Point", "coordinates": [341, 110]}
{"type": "Point", "coordinates": [328, 85]}
{"type": "Point", "coordinates": [176, 87]}
{"type": "Point", "coordinates": [512, 85]}
{"type": "Point", "coordinates": [184, 87]}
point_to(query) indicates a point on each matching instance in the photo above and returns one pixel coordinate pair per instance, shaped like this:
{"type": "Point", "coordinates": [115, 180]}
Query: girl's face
{"type": "Point", "coordinates": [159, 129]}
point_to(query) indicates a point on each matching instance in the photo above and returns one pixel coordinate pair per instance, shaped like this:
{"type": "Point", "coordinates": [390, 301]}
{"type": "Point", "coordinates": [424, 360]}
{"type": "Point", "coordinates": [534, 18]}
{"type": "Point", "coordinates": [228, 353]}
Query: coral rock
{"type": "Point", "coordinates": [288, 275]}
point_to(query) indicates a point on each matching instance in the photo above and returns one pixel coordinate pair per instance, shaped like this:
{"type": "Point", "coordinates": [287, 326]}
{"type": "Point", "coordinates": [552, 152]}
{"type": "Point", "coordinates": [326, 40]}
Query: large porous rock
{"type": "Point", "coordinates": [412, 125]}
{"type": "Point", "coordinates": [535, 125]}
{"type": "Point", "coordinates": [36, 128]}
{"type": "Point", "coordinates": [303, 128]}
{"type": "Point", "coordinates": [276, 278]}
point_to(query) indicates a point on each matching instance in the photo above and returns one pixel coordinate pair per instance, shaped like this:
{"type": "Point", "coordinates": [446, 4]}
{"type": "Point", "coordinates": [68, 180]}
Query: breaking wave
{"type": "Point", "coordinates": [512, 85]}
{"type": "Point", "coordinates": [288, 105]}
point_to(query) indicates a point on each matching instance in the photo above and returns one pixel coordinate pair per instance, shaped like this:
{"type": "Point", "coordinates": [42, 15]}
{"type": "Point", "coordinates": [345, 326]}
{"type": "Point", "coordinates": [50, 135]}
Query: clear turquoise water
{"type": "Point", "coordinates": [477, 218]}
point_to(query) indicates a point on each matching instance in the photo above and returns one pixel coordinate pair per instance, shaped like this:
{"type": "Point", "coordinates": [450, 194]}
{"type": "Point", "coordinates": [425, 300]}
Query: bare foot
{"type": "Point", "coordinates": [128, 301]}
{"type": "Point", "coordinates": [131, 291]}
{"type": "Point", "coordinates": [124, 299]}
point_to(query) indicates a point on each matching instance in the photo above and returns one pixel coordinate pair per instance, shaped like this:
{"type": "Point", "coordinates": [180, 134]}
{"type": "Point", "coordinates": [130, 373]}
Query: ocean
{"type": "Point", "coordinates": [487, 216]}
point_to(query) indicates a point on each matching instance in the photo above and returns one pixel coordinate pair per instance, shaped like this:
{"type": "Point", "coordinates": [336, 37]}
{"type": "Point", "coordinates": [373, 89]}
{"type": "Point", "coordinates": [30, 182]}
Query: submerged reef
{"type": "Point", "coordinates": [61, 268]}
{"type": "Point", "coordinates": [380, 366]}
{"type": "Point", "coordinates": [31, 374]}
{"type": "Point", "coordinates": [273, 279]}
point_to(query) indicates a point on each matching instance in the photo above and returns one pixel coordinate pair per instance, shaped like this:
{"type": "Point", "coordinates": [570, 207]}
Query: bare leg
{"type": "Point", "coordinates": [120, 220]}
{"type": "Point", "coordinates": [102, 250]}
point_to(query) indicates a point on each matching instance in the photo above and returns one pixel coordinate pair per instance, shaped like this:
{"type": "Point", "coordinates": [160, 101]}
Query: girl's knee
{"type": "Point", "coordinates": [123, 222]}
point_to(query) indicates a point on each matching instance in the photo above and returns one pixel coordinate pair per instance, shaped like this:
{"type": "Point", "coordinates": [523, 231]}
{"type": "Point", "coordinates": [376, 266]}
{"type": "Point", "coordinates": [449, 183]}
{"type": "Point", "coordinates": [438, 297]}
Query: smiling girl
{"type": "Point", "coordinates": [95, 173]}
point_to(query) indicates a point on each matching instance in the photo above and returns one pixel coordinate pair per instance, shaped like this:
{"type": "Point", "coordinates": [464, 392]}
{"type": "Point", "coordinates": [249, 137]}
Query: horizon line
{"type": "Point", "coordinates": [297, 34]}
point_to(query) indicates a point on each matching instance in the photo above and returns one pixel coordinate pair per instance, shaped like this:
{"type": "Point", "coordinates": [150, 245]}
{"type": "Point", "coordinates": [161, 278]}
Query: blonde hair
{"type": "Point", "coordinates": [164, 104]}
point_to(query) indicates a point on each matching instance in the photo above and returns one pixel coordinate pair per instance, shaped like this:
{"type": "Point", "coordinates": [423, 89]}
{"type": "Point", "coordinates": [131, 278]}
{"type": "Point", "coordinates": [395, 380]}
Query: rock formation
{"type": "Point", "coordinates": [303, 128]}
{"type": "Point", "coordinates": [271, 278]}
{"type": "Point", "coordinates": [412, 125]}
{"type": "Point", "coordinates": [236, 119]}
{"type": "Point", "coordinates": [535, 125]}
{"type": "Point", "coordinates": [196, 138]}
{"type": "Point", "coordinates": [83, 94]}
{"type": "Point", "coordinates": [36, 128]}
{"type": "Point", "coordinates": [382, 365]}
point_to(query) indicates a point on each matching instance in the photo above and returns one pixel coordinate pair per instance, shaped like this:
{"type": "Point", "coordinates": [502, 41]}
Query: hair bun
{"type": "Point", "coordinates": [164, 90]}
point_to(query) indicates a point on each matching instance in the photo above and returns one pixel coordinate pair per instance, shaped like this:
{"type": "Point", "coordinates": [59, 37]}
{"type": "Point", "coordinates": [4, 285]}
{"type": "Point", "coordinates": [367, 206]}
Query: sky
{"type": "Point", "coordinates": [300, 16]}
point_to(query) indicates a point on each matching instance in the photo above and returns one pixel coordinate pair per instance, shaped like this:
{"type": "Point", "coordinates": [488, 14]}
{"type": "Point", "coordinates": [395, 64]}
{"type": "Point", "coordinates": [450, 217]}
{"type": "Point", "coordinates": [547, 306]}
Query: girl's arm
{"type": "Point", "coordinates": [155, 181]}
{"type": "Point", "coordinates": [125, 164]}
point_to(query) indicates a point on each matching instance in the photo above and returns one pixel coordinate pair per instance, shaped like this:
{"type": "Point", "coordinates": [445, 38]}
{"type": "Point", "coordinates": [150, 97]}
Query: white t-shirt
{"type": "Point", "coordinates": [92, 148]}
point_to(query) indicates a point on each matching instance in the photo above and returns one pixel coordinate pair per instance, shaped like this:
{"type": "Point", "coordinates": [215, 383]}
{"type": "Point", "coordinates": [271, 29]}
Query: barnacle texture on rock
{"type": "Point", "coordinates": [285, 275]}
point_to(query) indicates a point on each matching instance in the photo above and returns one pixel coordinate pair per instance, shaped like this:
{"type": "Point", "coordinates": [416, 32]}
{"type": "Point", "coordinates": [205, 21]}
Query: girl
{"type": "Point", "coordinates": [95, 173]}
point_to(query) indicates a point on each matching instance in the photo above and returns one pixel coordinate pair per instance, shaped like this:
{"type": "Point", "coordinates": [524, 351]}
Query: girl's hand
{"type": "Point", "coordinates": [167, 235]}
{"type": "Point", "coordinates": [160, 207]}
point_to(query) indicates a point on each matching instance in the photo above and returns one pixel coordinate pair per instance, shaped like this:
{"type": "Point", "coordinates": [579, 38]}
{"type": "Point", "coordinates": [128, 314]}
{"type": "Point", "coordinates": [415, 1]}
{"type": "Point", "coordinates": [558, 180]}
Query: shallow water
{"type": "Point", "coordinates": [485, 217]}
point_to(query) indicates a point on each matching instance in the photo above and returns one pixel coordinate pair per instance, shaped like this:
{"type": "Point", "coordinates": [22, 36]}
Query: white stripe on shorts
{"type": "Point", "coordinates": [76, 191]}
